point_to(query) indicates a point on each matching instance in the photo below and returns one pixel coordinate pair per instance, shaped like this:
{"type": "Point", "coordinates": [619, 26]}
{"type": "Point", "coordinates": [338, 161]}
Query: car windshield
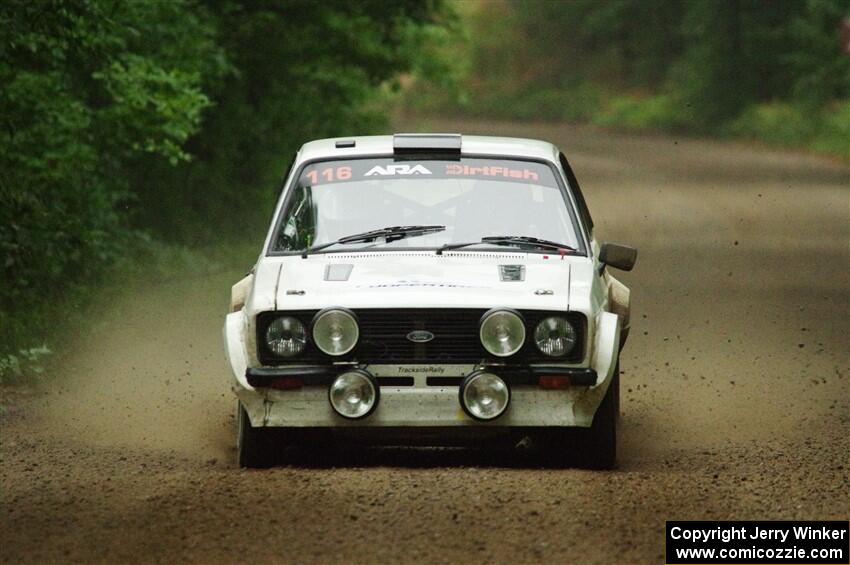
{"type": "Point", "coordinates": [472, 198]}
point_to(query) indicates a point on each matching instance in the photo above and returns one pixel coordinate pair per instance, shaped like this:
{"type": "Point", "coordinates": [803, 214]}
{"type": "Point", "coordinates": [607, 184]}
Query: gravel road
{"type": "Point", "coordinates": [735, 398]}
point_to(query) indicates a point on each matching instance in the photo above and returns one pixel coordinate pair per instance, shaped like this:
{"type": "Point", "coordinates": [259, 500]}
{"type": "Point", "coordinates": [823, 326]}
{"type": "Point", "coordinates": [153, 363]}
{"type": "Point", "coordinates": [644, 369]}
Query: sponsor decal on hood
{"type": "Point", "coordinates": [419, 284]}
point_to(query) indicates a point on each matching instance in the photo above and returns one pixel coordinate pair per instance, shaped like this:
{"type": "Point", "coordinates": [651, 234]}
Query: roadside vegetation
{"type": "Point", "coordinates": [137, 134]}
{"type": "Point", "coordinates": [767, 70]}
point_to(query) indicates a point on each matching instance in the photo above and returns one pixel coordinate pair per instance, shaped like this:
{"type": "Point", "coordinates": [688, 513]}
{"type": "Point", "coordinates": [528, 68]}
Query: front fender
{"type": "Point", "coordinates": [235, 325]}
{"type": "Point", "coordinates": [606, 347]}
{"type": "Point", "coordinates": [604, 357]}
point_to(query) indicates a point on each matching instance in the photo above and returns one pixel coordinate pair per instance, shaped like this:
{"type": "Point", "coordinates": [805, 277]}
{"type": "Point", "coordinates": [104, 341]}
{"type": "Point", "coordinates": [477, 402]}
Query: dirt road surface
{"type": "Point", "coordinates": [736, 399]}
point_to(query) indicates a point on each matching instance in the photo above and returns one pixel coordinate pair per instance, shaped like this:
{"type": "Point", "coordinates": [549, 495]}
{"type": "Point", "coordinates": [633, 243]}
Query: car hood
{"type": "Point", "coordinates": [421, 279]}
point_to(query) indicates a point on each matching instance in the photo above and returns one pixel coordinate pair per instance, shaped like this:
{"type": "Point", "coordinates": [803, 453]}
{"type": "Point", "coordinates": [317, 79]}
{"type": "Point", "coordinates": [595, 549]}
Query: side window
{"type": "Point", "coordinates": [582, 205]}
{"type": "Point", "coordinates": [298, 228]}
{"type": "Point", "coordinates": [284, 239]}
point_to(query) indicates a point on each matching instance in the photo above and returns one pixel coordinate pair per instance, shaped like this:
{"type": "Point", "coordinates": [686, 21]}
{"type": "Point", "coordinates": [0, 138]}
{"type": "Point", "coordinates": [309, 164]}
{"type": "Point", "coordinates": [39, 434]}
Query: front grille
{"type": "Point", "coordinates": [383, 337]}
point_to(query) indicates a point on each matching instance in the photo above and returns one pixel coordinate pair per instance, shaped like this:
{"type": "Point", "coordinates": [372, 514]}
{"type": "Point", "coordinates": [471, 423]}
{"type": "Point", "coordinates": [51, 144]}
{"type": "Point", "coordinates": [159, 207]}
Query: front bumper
{"type": "Point", "coordinates": [413, 406]}
{"type": "Point", "coordinates": [393, 375]}
{"type": "Point", "coordinates": [423, 404]}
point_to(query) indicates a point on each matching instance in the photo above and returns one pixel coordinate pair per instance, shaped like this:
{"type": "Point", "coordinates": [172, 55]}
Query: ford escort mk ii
{"type": "Point", "coordinates": [431, 284]}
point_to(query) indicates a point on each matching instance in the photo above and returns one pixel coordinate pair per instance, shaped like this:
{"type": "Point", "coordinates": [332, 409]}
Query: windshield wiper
{"type": "Point", "coordinates": [512, 240]}
{"type": "Point", "coordinates": [389, 234]}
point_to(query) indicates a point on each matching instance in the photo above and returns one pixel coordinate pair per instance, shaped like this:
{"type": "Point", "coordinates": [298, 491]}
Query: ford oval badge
{"type": "Point", "coordinates": [420, 336]}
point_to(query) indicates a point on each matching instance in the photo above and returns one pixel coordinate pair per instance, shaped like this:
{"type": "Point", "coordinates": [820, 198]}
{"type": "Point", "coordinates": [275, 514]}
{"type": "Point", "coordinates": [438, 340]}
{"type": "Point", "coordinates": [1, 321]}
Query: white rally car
{"type": "Point", "coordinates": [430, 285]}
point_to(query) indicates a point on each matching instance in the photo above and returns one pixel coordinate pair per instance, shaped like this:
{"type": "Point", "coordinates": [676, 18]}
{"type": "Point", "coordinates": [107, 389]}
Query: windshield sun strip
{"type": "Point", "coordinates": [569, 200]}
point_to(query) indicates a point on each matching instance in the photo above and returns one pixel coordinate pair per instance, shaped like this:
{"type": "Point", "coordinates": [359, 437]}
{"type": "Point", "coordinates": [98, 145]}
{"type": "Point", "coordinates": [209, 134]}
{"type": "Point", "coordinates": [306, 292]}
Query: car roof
{"type": "Point", "coordinates": [379, 145]}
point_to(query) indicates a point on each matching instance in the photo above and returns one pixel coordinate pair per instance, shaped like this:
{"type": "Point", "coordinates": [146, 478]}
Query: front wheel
{"type": "Point", "coordinates": [254, 446]}
{"type": "Point", "coordinates": [597, 445]}
{"type": "Point", "coordinates": [594, 447]}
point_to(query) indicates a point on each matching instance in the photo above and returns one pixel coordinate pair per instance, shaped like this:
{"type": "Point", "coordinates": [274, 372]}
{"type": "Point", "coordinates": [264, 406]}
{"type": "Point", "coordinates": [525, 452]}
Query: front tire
{"type": "Point", "coordinates": [254, 446]}
{"type": "Point", "coordinates": [594, 447]}
{"type": "Point", "coordinates": [598, 443]}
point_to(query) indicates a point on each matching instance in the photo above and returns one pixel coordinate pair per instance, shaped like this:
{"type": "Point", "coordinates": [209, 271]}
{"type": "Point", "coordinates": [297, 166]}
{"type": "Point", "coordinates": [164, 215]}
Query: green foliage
{"type": "Point", "coordinates": [833, 135]}
{"type": "Point", "coordinates": [156, 109]}
{"type": "Point", "coordinates": [826, 130]}
{"type": "Point", "coordinates": [128, 122]}
{"type": "Point", "coordinates": [777, 123]}
{"type": "Point", "coordinates": [618, 42]}
{"type": "Point", "coordinates": [663, 64]}
{"type": "Point", "coordinates": [25, 364]}
{"type": "Point", "coordinates": [648, 112]}
{"type": "Point", "coordinates": [85, 95]}
{"type": "Point", "coordinates": [306, 70]}
{"type": "Point", "coordinates": [819, 76]}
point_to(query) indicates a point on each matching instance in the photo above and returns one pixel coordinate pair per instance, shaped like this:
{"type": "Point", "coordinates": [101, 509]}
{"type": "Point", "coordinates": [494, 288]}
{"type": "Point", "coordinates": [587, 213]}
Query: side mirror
{"type": "Point", "coordinates": [618, 256]}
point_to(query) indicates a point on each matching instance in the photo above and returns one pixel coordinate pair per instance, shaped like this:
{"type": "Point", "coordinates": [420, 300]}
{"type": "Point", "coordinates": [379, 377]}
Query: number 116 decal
{"type": "Point", "coordinates": [328, 174]}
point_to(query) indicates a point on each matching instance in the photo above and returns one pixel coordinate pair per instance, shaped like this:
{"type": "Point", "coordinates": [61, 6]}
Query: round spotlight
{"type": "Point", "coordinates": [354, 394]}
{"type": "Point", "coordinates": [502, 332]}
{"type": "Point", "coordinates": [335, 331]}
{"type": "Point", "coordinates": [555, 336]}
{"type": "Point", "coordinates": [484, 396]}
{"type": "Point", "coordinates": [286, 336]}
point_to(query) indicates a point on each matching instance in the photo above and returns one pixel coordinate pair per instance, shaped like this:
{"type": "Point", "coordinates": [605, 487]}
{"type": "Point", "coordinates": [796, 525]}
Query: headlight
{"type": "Point", "coordinates": [335, 332]}
{"type": "Point", "coordinates": [286, 336]}
{"type": "Point", "coordinates": [555, 336]}
{"type": "Point", "coordinates": [484, 396]}
{"type": "Point", "coordinates": [354, 394]}
{"type": "Point", "coordinates": [502, 332]}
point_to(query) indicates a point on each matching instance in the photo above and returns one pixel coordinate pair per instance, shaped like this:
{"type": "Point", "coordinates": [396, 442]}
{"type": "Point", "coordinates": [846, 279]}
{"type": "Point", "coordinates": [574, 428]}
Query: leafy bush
{"type": "Point", "coordinates": [89, 89]}
{"type": "Point", "coordinates": [777, 123]}
{"type": "Point", "coordinates": [650, 112]}
{"type": "Point", "coordinates": [783, 124]}
{"type": "Point", "coordinates": [833, 134]}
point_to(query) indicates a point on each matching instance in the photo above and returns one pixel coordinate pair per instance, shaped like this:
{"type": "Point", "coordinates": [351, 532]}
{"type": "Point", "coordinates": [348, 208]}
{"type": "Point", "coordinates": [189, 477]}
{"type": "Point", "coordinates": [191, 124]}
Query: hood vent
{"type": "Point", "coordinates": [338, 272]}
{"type": "Point", "coordinates": [511, 273]}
